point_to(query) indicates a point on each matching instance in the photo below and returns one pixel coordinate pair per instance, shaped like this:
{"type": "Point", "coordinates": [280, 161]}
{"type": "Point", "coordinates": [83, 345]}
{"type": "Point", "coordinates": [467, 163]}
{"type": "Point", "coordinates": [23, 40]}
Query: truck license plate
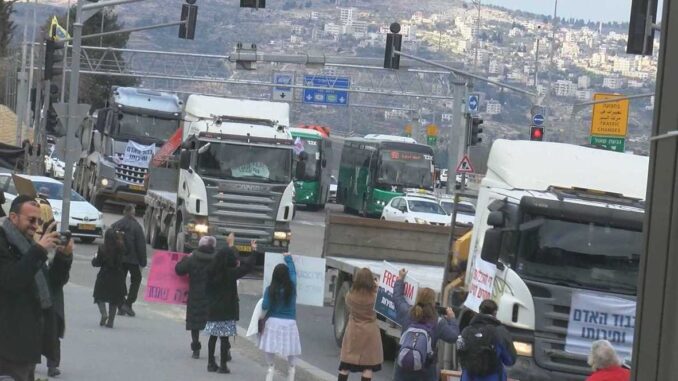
{"type": "Point", "coordinates": [136, 187]}
{"type": "Point", "coordinates": [87, 227]}
{"type": "Point", "coordinates": [244, 248]}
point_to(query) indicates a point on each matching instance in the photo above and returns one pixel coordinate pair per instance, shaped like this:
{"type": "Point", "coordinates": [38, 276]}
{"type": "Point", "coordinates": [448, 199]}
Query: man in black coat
{"type": "Point", "coordinates": [135, 255]}
{"type": "Point", "coordinates": [25, 287]}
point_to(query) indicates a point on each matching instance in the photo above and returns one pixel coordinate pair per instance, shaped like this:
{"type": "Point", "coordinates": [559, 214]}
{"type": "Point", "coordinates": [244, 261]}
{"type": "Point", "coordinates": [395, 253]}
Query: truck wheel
{"type": "Point", "coordinates": [341, 313]}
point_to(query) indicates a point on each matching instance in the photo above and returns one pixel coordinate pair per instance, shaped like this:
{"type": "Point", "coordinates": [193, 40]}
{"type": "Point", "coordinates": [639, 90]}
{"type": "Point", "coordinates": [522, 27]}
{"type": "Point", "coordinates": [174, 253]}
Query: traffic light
{"type": "Point", "coordinates": [537, 133]}
{"type": "Point", "coordinates": [641, 31]}
{"type": "Point", "coordinates": [476, 130]}
{"type": "Point", "coordinates": [53, 55]}
{"type": "Point", "coordinates": [52, 119]}
{"type": "Point", "coordinates": [189, 14]}
{"type": "Point", "coordinates": [253, 4]}
{"type": "Point", "coordinates": [394, 41]}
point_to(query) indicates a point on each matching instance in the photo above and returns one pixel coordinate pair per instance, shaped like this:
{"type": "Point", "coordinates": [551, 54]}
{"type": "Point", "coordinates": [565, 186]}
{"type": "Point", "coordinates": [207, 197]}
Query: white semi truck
{"type": "Point", "coordinates": [234, 175]}
{"type": "Point", "coordinates": [558, 225]}
{"type": "Point", "coordinates": [552, 221]}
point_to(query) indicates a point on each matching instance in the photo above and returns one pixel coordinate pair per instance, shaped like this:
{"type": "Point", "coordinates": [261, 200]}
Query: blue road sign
{"type": "Point", "coordinates": [282, 93]}
{"type": "Point", "coordinates": [473, 102]}
{"type": "Point", "coordinates": [538, 120]}
{"type": "Point", "coordinates": [338, 97]}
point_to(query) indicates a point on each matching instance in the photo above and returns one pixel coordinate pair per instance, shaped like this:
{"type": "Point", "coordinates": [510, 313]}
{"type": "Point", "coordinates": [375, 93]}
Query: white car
{"type": "Point", "coordinates": [416, 210]}
{"type": "Point", "coordinates": [466, 212]}
{"type": "Point", "coordinates": [86, 222]}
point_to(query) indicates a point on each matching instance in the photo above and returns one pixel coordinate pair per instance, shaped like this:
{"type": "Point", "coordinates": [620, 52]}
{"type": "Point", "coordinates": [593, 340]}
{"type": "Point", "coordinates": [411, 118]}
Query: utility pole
{"type": "Point", "coordinates": [456, 141]}
{"type": "Point", "coordinates": [23, 92]}
{"type": "Point", "coordinates": [477, 36]}
{"type": "Point", "coordinates": [655, 341]}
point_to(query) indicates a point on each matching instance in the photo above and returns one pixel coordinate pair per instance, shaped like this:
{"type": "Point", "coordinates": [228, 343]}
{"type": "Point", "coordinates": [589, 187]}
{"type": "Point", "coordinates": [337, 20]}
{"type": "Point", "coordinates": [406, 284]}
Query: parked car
{"type": "Point", "coordinates": [466, 212]}
{"type": "Point", "coordinates": [416, 209]}
{"type": "Point", "coordinates": [86, 222]}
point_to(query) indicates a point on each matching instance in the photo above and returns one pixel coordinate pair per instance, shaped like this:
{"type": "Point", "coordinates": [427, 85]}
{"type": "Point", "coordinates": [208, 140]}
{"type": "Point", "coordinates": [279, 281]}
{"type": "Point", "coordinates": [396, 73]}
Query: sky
{"type": "Point", "coordinates": [595, 10]}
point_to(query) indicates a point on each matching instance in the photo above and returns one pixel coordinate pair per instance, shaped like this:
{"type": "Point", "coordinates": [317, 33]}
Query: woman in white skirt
{"type": "Point", "coordinates": [281, 335]}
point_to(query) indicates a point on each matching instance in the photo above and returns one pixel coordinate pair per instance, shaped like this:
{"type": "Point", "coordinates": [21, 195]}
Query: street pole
{"type": "Point", "coordinates": [27, 115]}
{"type": "Point", "coordinates": [655, 343]}
{"type": "Point", "coordinates": [23, 92]}
{"type": "Point", "coordinates": [63, 76]}
{"type": "Point", "coordinates": [71, 119]}
{"type": "Point", "coordinates": [456, 140]}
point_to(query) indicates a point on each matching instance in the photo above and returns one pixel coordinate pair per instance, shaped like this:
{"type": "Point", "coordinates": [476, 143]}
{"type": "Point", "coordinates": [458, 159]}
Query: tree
{"type": "Point", "coordinates": [95, 89]}
{"type": "Point", "coordinates": [6, 25]}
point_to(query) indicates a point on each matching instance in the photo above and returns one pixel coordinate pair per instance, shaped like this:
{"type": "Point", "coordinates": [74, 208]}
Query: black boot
{"type": "Point", "coordinates": [212, 364]}
{"type": "Point", "coordinates": [224, 358]}
{"type": "Point", "coordinates": [195, 347]}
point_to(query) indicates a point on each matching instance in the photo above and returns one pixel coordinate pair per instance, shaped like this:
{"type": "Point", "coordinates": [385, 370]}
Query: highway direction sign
{"type": "Point", "coordinates": [338, 97]}
{"type": "Point", "coordinates": [282, 93]}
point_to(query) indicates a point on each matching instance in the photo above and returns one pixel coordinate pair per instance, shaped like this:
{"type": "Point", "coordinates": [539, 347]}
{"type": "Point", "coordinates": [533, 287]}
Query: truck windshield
{"type": "Point", "coordinates": [311, 156]}
{"type": "Point", "coordinates": [146, 126]}
{"type": "Point", "coordinates": [243, 162]}
{"type": "Point", "coordinates": [407, 169]}
{"type": "Point", "coordinates": [580, 255]}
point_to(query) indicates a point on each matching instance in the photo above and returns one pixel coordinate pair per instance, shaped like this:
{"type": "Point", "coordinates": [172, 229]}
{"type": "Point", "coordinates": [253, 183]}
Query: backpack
{"type": "Point", "coordinates": [477, 350]}
{"type": "Point", "coordinates": [416, 350]}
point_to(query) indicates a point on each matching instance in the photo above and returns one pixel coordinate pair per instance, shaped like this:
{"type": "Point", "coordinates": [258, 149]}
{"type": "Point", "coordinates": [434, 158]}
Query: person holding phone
{"type": "Point", "coordinates": [25, 282]}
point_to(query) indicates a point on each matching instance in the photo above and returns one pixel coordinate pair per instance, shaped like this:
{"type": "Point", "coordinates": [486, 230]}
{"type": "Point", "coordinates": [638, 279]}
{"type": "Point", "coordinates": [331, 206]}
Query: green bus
{"type": "Point", "coordinates": [377, 168]}
{"type": "Point", "coordinates": [312, 178]}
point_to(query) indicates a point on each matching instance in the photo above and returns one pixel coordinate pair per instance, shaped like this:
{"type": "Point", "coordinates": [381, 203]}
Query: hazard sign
{"type": "Point", "coordinates": [465, 165]}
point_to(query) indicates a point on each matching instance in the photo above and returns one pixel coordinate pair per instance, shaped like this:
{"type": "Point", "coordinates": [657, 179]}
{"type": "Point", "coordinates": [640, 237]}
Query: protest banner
{"type": "Point", "coordinates": [164, 285]}
{"type": "Point", "coordinates": [138, 155]}
{"type": "Point", "coordinates": [597, 316]}
{"type": "Point", "coordinates": [482, 281]}
{"type": "Point", "coordinates": [384, 305]}
{"type": "Point", "coordinates": [310, 277]}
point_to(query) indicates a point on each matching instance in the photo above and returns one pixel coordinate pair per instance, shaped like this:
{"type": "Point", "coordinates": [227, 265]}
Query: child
{"type": "Point", "coordinates": [110, 284]}
{"type": "Point", "coordinates": [281, 334]}
{"type": "Point", "coordinates": [222, 294]}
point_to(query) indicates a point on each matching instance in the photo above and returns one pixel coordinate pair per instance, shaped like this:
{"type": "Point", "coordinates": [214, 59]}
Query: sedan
{"type": "Point", "coordinates": [415, 210]}
{"type": "Point", "coordinates": [466, 212]}
{"type": "Point", "coordinates": [86, 222]}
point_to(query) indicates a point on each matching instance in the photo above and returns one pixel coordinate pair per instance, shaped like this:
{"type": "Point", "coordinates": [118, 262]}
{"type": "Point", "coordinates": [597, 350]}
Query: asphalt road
{"type": "Point", "coordinates": [320, 352]}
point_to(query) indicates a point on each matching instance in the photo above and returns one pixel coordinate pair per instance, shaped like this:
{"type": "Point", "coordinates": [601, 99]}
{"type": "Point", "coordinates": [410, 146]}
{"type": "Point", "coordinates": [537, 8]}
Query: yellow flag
{"type": "Point", "coordinates": [57, 32]}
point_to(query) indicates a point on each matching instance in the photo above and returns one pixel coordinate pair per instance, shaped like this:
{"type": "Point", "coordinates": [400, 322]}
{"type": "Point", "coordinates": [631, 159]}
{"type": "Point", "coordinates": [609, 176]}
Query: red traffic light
{"type": "Point", "coordinates": [536, 133]}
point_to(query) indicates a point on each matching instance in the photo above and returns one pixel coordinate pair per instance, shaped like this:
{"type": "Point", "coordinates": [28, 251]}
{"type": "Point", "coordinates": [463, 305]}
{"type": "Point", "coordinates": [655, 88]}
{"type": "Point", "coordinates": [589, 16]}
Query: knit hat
{"type": "Point", "coordinates": [207, 241]}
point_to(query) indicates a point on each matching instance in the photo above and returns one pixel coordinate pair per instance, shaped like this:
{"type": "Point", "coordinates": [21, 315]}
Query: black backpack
{"type": "Point", "coordinates": [477, 350]}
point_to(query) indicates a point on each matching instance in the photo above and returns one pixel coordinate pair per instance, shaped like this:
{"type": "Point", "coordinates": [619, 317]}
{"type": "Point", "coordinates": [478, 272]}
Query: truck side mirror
{"type": "Point", "coordinates": [496, 219]}
{"type": "Point", "coordinates": [185, 160]}
{"type": "Point", "coordinates": [491, 246]}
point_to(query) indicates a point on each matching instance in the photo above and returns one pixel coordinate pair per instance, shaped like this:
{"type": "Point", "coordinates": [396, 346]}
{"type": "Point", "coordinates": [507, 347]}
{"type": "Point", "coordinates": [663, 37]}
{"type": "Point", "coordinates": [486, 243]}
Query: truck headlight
{"type": "Point", "coordinates": [201, 228]}
{"type": "Point", "coordinates": [523, 349]}
{"type": "Point", "coordinates": [282, 236]}
{"type": "Point", "coordinates": [420, 221]}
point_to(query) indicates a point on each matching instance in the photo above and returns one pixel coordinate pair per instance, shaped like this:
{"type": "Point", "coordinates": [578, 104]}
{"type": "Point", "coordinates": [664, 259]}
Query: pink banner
{"type": "Point", "coordinates": [164, 285]}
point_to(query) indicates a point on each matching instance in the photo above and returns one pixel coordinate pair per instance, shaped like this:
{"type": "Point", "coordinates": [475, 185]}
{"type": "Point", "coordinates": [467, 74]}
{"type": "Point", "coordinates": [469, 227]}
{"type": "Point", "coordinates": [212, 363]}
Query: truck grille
{"type": "Point", "coordinates": [552, 308]}
{"type": "Point", "coordinates": [130, 174]}
{"type": "Point", "coordinates": [247, 209]}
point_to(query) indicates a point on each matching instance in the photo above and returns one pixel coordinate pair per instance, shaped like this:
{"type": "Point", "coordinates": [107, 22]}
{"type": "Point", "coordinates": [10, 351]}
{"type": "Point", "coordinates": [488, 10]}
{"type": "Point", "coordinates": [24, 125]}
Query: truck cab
{"type": "Point", "coordinates": [235, 173]}
{"type": "Point", "coordinates": [140, 120]}
{"type": "Point", "coordinates": [557, 226]}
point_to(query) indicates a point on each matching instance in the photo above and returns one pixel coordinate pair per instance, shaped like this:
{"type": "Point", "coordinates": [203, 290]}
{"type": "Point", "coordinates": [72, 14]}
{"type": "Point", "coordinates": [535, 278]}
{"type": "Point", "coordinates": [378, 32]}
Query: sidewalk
{"type": "Point", "coordinates": [154, 345]}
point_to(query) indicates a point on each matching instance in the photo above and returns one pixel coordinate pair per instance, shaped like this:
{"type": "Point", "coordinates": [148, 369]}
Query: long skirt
{"type": "Point", "coordinates": [281, 336]}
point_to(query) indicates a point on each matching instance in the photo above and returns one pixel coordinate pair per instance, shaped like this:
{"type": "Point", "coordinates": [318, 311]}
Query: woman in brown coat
{"type": "Point", "coordinates": [361, 349]}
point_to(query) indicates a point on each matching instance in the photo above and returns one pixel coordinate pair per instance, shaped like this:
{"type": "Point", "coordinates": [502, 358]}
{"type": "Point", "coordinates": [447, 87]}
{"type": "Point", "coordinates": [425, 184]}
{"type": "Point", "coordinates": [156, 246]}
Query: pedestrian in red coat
{"type": "Point", "coordinates": [606, 364]}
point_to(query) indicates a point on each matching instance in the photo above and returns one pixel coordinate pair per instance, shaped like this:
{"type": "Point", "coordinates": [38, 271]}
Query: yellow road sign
{"type": "Point", "coordinates": [408, 129]}
{"type": "Point", "coordinates": [431, 130]}
{"type": "Point", "coordinates": [610, 118]}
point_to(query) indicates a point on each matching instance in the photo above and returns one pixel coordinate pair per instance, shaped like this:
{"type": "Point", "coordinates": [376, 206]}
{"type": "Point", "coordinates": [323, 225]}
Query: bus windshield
{"type": "Point", "coordinates": [311, 157]}
{"type": "Point", "coordinates": [404, 168]}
